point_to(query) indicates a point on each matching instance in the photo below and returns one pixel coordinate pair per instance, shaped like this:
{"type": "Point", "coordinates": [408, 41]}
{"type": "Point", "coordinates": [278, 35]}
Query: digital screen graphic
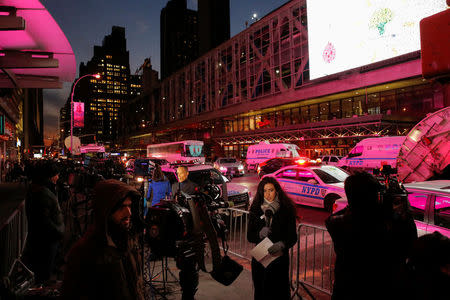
{"type": "Point", "coordinates": [343, 35]}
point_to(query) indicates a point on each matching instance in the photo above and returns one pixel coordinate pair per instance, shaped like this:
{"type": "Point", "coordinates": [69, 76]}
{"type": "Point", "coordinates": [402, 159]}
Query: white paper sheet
{"type": "Point", "coordinates": [261, 254]}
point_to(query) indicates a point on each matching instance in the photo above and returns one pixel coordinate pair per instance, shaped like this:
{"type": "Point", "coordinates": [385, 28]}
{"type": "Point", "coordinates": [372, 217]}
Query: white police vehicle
{"type": "Point", "coordinates": [203, 174]}
{"type": "Point", "coordinates": [318, 186]}
{"type": "Point", "coordinates": [229, 166]}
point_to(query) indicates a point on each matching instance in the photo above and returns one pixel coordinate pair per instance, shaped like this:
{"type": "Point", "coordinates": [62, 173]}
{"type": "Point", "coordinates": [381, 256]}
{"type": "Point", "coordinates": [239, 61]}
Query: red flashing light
{"type": "Point", "coordinates": [300, 161]}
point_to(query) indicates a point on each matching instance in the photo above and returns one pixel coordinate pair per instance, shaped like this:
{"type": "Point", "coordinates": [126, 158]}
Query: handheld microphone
{"type": "Point", "coordinates": [268, 213]}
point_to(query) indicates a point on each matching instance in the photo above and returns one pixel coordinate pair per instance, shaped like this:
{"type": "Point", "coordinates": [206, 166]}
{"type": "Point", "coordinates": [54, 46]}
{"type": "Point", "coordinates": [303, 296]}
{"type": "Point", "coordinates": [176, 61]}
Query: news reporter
{"type": "Point", "coordinates": [272, 215]}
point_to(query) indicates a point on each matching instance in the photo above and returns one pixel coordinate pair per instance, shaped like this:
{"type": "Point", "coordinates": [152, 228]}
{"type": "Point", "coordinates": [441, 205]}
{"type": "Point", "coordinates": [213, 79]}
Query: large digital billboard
{"type": "Point", "coordinates": [347, 34]}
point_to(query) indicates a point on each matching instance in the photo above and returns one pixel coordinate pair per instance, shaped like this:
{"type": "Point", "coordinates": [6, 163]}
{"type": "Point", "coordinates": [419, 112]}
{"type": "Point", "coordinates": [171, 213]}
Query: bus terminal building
{"type": "Point", "coordinates": [258, 86]}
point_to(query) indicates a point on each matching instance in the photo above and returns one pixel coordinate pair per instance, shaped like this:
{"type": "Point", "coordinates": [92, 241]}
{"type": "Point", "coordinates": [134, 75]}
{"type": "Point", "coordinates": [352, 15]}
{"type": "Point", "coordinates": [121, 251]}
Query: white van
{"type": "Point", "coordinates": [263, 151]}
{"type": "Point", "coordinates": [373, 153]}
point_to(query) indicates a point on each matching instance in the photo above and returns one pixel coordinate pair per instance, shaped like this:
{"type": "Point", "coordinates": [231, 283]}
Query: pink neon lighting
{"type": "Point", "coordinates": [42, 33]}
{"type": "Point", "coordinates": [4, 13]}
{"type": "Point", "coordinates": [2, 54]}
{"type": "Point", "coordinates": [39, 56]}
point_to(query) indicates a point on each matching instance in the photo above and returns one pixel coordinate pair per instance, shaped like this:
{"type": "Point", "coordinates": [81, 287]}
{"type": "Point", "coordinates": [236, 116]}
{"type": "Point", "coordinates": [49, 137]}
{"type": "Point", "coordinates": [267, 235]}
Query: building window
{"type": "Point", "coordinates": [347, 108]}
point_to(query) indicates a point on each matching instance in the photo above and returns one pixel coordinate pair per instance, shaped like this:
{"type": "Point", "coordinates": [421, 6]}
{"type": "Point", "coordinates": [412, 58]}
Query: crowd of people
{"type": "Point", "coordinates": [378, 252]}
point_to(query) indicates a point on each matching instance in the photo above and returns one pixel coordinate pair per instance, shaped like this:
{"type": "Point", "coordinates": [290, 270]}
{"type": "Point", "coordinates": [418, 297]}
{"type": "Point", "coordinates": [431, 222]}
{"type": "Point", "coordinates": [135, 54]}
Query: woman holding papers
{"type": "Point", "coordinates": [272, 216]}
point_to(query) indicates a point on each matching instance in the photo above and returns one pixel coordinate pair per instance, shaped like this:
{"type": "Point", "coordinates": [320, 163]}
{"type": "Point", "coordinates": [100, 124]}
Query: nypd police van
{"type": "Point", "coordinates": [373, 153]}
{"type": "Point", "coordinates": [318, 186]}
{"type": "Point", "coordinates": [263, 151]}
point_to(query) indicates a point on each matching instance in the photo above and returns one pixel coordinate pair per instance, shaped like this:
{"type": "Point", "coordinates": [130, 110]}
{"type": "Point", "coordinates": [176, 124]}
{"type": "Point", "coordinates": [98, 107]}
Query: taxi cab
{"type": "Point", "coordinates": [318, 186]}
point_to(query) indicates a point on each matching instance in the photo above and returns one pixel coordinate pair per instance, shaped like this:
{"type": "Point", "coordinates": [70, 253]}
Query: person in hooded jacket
{"type": "Point", "coordinates": [272, 215]}
{"type": "Point", "coordinates": [104, 263]}
{"type": "Point", "coordinates": [45, 221]}
{"type": "Point", "coordinates": [371, 242]}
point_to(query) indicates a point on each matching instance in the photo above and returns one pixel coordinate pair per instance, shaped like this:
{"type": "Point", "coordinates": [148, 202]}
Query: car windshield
{"type": "Point", "coordinates": [159, 161]}
{"type": "Point", "coordinates": [228, 161]}
{"type": "Point", "coordinates": [203, 177]}
{"type": "Point", "coordinates": [331, 174]}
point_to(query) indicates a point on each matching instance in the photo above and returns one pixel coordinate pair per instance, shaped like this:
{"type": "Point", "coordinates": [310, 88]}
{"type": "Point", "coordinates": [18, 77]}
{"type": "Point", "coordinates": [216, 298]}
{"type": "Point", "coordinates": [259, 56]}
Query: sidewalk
{"type": "Point", "coordinates": [208, 289]}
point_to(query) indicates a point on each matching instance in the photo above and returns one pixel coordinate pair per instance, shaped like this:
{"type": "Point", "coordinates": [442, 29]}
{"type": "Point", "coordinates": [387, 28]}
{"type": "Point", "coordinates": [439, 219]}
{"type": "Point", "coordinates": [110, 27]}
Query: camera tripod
{"type": "Point", "coordinates": [162, 276]}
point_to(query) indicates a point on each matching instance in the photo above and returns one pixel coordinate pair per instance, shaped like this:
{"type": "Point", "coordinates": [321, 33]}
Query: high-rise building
{"type": "Point", "coordinates": [104, 97]}
{"type": "Point", "coordinates": [214, 23]}
{"type": "Point", "coordinates": [179, 36]}
{"type": "Point", "coordinates": [135, 85]}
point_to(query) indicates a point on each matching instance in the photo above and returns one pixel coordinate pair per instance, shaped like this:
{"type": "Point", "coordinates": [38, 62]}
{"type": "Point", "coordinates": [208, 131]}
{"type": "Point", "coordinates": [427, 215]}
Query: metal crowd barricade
{"type": "Point", "coordinates": [237, 221]}
{"type": "Point", "coordinates": [312, 260]}
{"type": "Point", "coordinates": [13, 230]}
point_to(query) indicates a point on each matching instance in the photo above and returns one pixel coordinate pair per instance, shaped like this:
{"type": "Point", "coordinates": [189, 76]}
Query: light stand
{"type": "Point", "coordinates": [71, 106]}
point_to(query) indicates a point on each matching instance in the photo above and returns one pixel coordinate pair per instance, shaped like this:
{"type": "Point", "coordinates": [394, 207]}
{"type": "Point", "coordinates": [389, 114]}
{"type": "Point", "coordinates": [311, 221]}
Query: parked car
{"type": "Point", "coordinates": [201, 174]}
{"type": "Point", "coordinates": [430, 206]}
{"type": "Point", "coordinates": [274, 164]}
{"type": "Point", "coordinates": [229, 166]}
{"type": "Point", "coordinates": [318, 186]}
{"type": "Point", "coordinates": [331, 159]}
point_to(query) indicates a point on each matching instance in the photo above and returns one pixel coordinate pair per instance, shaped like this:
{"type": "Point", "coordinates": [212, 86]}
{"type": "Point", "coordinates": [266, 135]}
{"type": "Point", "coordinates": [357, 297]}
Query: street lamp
{"type": "Point", "coordinates": [71, 106]}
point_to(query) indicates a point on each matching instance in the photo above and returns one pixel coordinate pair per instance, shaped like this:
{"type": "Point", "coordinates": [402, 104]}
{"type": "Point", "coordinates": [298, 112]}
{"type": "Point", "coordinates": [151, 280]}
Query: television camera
{"type": "Point", "coordinates": [392, 196]}
{"type": "Point", "coordinates": [180, 229]}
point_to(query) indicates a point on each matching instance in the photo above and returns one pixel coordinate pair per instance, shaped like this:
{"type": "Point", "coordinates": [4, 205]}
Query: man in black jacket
{"type": "Point", "coordinates": [183, 184]}
{"type": "Point", "coordinates": [371, 243]}
{"type": "Point", "coordinates": [186, 263]}
{"type": "Point", "coordinates": [45, 221]}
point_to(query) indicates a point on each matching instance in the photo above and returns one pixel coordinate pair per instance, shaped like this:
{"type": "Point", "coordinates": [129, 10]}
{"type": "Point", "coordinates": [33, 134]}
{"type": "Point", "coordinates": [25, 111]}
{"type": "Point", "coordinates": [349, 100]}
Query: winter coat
{"type": "Point", "coordinates": [157, 190]}
{"type": "Point", "coordinates": [45, 230]}
{"type": "Point", "coordinates": [273, 282]}
{"type": "Point", "coordinates": [370, 254]}
{"type": "Point", "coordinates": [186, 186]}
{"type": "Point", "coordinates": [96, 268]}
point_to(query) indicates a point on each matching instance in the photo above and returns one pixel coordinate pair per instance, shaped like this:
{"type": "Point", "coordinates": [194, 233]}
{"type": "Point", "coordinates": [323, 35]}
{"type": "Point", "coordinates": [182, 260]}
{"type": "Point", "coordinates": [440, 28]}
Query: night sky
{"type": "Point", "coordinates": [86, 22]}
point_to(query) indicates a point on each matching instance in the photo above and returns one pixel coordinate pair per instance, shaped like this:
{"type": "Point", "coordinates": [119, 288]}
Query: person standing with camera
{"type": "Point", "coordinates": [272, 215]}
{"type": "Point", "coordinates": [184, 184]}
{"type": "Point", "coordinates": [372, 242]}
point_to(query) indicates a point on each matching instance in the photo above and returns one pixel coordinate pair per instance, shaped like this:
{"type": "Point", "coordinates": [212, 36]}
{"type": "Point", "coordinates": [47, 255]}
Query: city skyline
{"type": "Point", "coordinates": [77, 19]}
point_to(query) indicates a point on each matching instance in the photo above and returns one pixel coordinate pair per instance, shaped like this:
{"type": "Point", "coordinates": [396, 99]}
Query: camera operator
{"type": "Point", "coordinates": [186, 259]}
{"type": "Point", "coordinates": [104, 263]}
{"type": "Point", "coordinates": [183, 184]}
{"type": "Point", "coordinates": [371, 243]}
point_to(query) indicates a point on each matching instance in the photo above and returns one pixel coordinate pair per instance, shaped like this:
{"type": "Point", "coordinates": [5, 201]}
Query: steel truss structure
{"type": "Point", "coordinates": [360, 129]}
{"type": "Point", "coordinates": [268, 58]}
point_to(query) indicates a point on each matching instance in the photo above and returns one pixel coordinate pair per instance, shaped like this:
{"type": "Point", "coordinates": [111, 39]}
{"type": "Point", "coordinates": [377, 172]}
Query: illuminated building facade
{"type": "Point", "coordinates": [257, 86]}
{"type": "Point", "coordinates": [105, 96]}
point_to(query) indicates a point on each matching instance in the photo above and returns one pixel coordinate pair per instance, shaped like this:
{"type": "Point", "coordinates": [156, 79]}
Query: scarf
{"type": "Point", "coordinates": [274, 206]}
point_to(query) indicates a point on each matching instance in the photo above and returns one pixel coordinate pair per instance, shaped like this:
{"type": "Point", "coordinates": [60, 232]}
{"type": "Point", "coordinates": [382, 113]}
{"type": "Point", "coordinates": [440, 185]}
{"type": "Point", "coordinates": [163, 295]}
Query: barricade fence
{"type": "Point", "coordinates": [311, 259]}
{"type": "Point", "coordinates": [12, 238]}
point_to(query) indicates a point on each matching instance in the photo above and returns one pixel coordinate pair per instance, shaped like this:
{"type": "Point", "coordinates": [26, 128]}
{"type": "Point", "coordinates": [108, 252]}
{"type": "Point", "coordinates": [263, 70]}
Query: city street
{"type": "Point", "coordinates": [309, 215]}
{"type": "Point", "coordinates": [118, 132]}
